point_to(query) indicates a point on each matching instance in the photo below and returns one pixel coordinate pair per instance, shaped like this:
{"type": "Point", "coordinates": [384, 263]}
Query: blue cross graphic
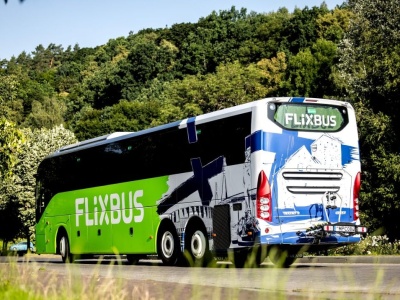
{"type": "Point", "coordinates": [198, 182]}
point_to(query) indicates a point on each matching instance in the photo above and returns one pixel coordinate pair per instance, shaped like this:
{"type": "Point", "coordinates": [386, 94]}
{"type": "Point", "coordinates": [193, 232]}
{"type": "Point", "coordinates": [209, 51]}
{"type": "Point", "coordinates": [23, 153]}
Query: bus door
{"type": "Point", "coordinates": [91, 227]}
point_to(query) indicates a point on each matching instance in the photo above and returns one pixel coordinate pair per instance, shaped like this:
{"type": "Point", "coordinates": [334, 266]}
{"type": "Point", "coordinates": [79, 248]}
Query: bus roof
{"type": "Point", "coordinates": [208, 117]}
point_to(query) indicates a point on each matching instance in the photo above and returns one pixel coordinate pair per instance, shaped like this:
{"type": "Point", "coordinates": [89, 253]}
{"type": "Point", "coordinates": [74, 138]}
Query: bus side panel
{"type": "Point", "coordinates": [117, 218]}
{"type": "Point", "coordinates": [136, 238]}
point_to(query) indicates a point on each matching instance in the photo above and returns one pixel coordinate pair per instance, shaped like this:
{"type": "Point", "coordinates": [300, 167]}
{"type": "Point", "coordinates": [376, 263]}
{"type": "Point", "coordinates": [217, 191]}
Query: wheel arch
{"type": "Point", "coordinates": [61, 230]}
{"type": "Point", "coordinates": [197, 223]}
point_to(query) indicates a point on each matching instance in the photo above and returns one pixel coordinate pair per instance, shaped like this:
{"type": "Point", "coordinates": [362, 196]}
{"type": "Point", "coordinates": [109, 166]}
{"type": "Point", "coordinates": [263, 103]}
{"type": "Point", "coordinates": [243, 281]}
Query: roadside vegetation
{"type": "Point", "coordinates": [370, 245]}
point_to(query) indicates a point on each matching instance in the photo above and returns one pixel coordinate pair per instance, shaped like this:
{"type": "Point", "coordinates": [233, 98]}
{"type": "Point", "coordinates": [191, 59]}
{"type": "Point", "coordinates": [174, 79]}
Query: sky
{"type": "Point", "coordinates": [91, 23]}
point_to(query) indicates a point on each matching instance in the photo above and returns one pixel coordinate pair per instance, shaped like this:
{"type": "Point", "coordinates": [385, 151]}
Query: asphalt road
{"type": "Point", "coordinates": [309, 278]}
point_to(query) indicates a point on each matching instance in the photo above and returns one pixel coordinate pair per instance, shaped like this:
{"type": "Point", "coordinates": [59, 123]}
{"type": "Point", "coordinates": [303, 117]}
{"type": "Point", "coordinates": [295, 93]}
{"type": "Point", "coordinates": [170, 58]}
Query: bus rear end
{"type": "Point", "coordinates": [305, 155]}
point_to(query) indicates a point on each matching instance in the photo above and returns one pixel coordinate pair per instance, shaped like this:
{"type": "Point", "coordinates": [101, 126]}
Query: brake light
{"type": "Point", "coordinates": [356, 192]}
{"type": "Point", "coordinates": [263, 204]}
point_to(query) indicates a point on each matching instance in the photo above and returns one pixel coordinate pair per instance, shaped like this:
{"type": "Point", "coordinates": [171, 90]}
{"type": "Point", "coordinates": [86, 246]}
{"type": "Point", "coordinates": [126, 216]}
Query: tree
{"type": "Point", "coordinates": [46, 114]}
{"type": "Point", "coordinates": [11, 141]}
{"type": "Point", "coordinates": [370, 70]}
{"type": "Point", "coordinates": [18, 191]}
{"type": "Point", "coordinates": [11, 107]}
{"type": "Point", "coordinates": [309, 71]}
{"type": "Point", "coordinates": [232, 84]}
{"type": "Point", "coordinates": [124, 116]}
{"type": "Point", "coordinates": [301, 30]}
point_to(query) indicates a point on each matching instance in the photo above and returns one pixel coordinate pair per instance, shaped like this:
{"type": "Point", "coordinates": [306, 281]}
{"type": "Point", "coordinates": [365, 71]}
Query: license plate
{"type": "Point", "coordinates": [345, 229]}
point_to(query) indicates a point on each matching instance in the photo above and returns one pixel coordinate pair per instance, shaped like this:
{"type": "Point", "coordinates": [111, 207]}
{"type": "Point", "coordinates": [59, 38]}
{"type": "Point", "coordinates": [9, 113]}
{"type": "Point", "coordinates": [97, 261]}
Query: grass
{"type": "Point", "coordinates": [35, 281]}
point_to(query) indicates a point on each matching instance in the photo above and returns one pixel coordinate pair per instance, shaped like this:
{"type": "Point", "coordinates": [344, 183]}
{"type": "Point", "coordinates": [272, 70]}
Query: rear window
{"type": "Point", "coordinates": [308, 117]}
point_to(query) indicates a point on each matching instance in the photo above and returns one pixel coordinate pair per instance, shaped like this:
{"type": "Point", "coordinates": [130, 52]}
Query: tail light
{"type": "Point", "coordinates": [263, 198]}
{"type": "Point", "coordinates": [356, 192]}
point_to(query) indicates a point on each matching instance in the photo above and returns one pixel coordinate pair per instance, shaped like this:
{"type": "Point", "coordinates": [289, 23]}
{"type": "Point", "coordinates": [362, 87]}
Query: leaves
{"type": "Point", "coordinates": [11, 141]}
{"type": "Point", "coordinates": [17, 191]}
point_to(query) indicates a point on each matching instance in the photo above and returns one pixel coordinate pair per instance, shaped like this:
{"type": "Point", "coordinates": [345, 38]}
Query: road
{"type": "Point", "coordinates": [309, 278]}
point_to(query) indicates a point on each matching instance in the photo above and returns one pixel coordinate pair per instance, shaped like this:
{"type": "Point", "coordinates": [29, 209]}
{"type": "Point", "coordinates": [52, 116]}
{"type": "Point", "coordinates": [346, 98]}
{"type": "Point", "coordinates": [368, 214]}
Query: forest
{"type": "Point", "coordinates": [55, 96]}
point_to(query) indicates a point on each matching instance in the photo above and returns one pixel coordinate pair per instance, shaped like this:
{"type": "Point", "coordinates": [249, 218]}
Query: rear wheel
{"type": "Point", "coordinates": [197, 250]}
{"type": "Point", "coordinates": [240, 258]}
{"type": "Point", "coordinates": [281, 258]}
{"type": "Point", "coordinates": [168, 245]}
{"type": "Point", "coordinates": [197, 247]}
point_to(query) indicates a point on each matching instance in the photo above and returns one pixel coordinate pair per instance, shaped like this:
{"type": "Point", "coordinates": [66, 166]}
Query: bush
{"type": "Point", "coordinates": [370, 245]}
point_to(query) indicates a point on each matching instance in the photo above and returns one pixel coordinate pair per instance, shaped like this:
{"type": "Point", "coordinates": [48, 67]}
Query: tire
{"type": "Point", "coordinates": [240, 259]}
{"type": "Point", "coordinates": [281, 258]}
{"type": "Point", "coordinates": [256, 256]}
{"type": "Point", "coordinates": [65, 250]}
{"type": "Point", "coordinates": [168, 245]}
{"type": "Point", "coordinates": [197, 251]}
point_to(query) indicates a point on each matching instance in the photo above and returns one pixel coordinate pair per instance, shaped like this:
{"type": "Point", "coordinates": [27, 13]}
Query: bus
{"type": "Point", "coordinates": [274, 178]}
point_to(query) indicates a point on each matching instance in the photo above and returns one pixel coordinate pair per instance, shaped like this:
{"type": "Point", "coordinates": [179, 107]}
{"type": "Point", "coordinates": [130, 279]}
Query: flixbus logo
{"type": "Point", "coordinates": [309, 120]}
{"type": "Point", "coordinates": [110, 208]}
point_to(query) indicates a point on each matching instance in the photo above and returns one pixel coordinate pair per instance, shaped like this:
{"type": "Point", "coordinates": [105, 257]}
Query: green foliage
{"type": "Point", "coordinates": [301, 30]}
{"type": "Point", "coordinates": [370, 245]}
{"type": "Point", "coordinates": [230, 85]}
{"type": "Point", "coordinates": [124, 116]}
{"type": "Point", "coordinates": [11, 140]}
{"type": "Point", "coordinates": [309, 71]}
{"type": "Point", "coordinates": [17, 192]}
{"type": "Point", "coordinates": [46, 114]}
{"type": "Point", "coordinates": [369, 68]}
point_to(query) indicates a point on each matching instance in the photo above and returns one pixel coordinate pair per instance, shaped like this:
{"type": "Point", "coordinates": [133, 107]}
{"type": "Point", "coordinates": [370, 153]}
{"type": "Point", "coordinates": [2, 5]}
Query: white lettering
{"type": "Point", "coordinates": [103, 205]}
{"type": "Point", "coordinates": [89, 222]}
{"type": "Point", "coordinates": [115, 203]}
{"type": "Point", "coordinates": [333, 121]}
{"type": "Point", "coordinates": [138, 206]}
{"type": "Point", "coordinates": [78, 211]}
{"type": "Point", "coordinates": [288, 118]}
{"type": "Point", "coordinates": [112, 208]}
{"type": "Point", "coordinates": [127, 214]}
{"type": "Point", "coordinates": [96, 213]}
{"type": "Point", "coordinates": [309, 120]}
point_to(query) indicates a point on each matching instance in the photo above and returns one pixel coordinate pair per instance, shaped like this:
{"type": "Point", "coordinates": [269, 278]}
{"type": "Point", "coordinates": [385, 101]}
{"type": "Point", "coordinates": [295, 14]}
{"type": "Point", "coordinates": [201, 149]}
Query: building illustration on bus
{"type": "Point", "coordinates": [274, 177]}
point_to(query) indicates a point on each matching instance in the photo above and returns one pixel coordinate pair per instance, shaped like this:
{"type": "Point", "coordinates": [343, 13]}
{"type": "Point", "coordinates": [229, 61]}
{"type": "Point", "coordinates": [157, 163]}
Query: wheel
{"type": "Point", "coordinates": [197, 251]}
{"type": "Point", "coordinates": [281, 258]}
{"type": "Point", "coordinates": [168, 245]}
{"type": "Point", "coordinates": [65, 252]}
{"type": "Point", "coordinates": [240, 259]}
{"type": "Point", "coordinates": [256, 256]}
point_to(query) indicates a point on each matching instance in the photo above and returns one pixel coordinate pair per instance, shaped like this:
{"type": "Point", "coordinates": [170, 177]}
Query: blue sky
{"type": "Point", "coordinates": [90, 23]}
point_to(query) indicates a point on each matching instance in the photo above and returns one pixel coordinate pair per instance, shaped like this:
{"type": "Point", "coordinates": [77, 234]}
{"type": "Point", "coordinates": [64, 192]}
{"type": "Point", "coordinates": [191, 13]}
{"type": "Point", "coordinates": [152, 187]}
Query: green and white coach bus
{"type": "Point", "coordinates": [274, 177]}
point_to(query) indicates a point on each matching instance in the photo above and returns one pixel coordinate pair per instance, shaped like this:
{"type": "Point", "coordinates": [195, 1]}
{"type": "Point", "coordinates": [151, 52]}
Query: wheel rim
{"type": "Point", "coordinates": [167, 244]}
{"type": "Point", "coordinates": [63, 247]}
{"type": "Point", "coordinates": [198, 244]}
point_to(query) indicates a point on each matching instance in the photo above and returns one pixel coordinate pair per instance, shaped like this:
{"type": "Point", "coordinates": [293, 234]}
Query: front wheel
{"type": "Point", "coordinates": [65, 251]}
{"type": "Point", "coordinates": [168, 245]}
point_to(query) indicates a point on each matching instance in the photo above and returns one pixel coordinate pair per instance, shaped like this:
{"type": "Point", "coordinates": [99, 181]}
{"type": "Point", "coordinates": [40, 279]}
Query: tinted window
{"type": "Point", "coordinates": [308, 117]}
